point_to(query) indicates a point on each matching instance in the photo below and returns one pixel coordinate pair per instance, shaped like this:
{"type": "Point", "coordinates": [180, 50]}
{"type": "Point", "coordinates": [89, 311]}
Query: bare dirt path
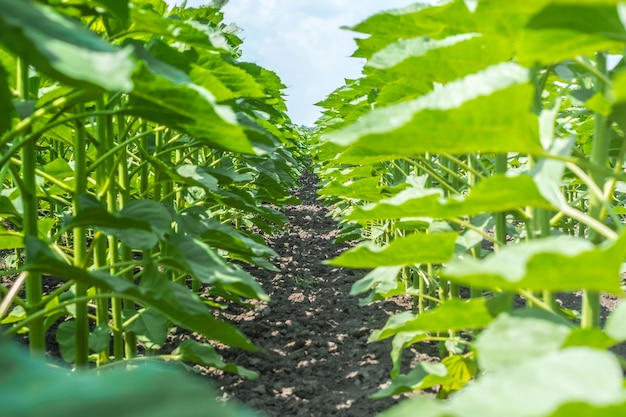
{"type": "Point", "coordinates": [316, 360]}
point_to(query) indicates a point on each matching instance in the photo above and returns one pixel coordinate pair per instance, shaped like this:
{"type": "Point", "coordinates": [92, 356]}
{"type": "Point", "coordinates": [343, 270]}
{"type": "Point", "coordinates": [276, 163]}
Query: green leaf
{"type": "Point", "coordinates": [59, 168]}
{"type": "Point", "coordinates": [461, 370]}
{"type": "Point", "coordinates": [150, 325]}
{"type": "Point", "coordinates": [487, 112]}
{"type": "Point", "coordinates": [196, 221]}
{"type": "Point", "coordinates": [63, 49]}
{"type": "Point", "coordinates": [6, 103]}
{"type": "Point", "coordinates": [471, 238]}
{"type": "Point", "coordinates": [401, 90]}
{"type": "Point", "coordinates": [7, 209]}
{"type": "Point", "coordinates": [424, 375]}
{"type": "Point", "coordinates": [555, 263]}
{"type": "Point", "coordinates": [367, 189]}
{"type": "Point", "coordinates": [397, 52]}
{"type": "Point", "coordinates": [100, 338]}
{"type": "Point", "coordinates": [495, 194]}
{"type": "Point", "coordinates": [548, 173]}
{"type": "Point", "coordinates": [148, 390]}
{"type": "Point", "coordinates": [212, 69]}
{"type": "Point", "coordinates": [147, 211]}
{"type": "Point", "coordinates": [168, 96]}
{"type": "Point", "coordinates": [615, 323]}
{"type": "Point", "coordinates": [66, 338]}
{"type": "Point", "coordinates": [572, 382]}
{"type": "Point", "coordinates": [199, 260]}
{"type": "Point", "coordinates": [400, 342]}
{"type": "Point", "coordinates": [593, 338]}
{"type": "Point", "coordinates": [573, 375]}
{"type": "Point", "coordinates": [414, 249]}
{"type": "Point", "coordinates": [412, 21]}
{"type": "Point", "coordinates": [590, 410]}
{"type": "Point", "coordinates": [205, 354]}
{"type": "Point", "coordinates": [191, 32]}
{"type": "Point", "coordinates": [563, 31]}
{"type": "Point", "coordinates": [118, 8]}
{"type": "Point", "coordinates": [454, 314]}
{"type": "Point", "coordinates": [440, 60]}
{"type": "Point", "coordinates": [619, 92]}
{"type": "Point", "coordinates": [518, 336]}
{"type": "Point", "coordinates": [199, 176]}
{"type": "Point", "coordinates": [141, 224]}
{"type": "Point", "coordinates": [382, 280]}
{"type": "Point", "coordinates": [10, 239]}
{"type": "Point", "coordinates": [17, 314]}
{"type": "Point", "coordinates": [176, 302]}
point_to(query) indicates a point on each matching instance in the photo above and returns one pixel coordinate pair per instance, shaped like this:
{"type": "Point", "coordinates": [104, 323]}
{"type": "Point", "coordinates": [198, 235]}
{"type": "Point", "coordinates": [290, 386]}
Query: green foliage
{"type": "Point", "coordinates": [144, 161]}
{"type": "Point", "coordinates": [500, 124]}
{"type": "Point", "coordinates": [145, 390]}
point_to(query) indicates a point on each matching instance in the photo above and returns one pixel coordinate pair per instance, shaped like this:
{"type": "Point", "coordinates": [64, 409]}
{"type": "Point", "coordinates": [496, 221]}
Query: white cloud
{"type": "Point", "coordinates": [302, 42]}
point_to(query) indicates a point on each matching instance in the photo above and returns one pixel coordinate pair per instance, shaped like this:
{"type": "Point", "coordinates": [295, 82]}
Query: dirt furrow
{"type": "Point", "coordinates": [316, 359]}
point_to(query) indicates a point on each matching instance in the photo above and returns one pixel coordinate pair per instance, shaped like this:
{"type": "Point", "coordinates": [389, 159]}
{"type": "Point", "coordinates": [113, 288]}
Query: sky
{"type": "Point", "coordinates": [302, 42]}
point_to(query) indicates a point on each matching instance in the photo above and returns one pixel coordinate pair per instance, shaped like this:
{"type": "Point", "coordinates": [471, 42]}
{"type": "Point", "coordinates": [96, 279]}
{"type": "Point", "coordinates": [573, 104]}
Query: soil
{"type": "Point", "coordinates": [316, 360]}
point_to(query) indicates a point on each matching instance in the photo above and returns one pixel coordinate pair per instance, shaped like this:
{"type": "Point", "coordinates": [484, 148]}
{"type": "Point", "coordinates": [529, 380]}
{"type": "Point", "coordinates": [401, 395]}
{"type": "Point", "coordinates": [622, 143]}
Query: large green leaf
{"type": "Point", "coordinates": [618, 96]}
{"type": "Point", "coordinates": [117, 8]}
{"type": "Point", "coordinates": [270, 80]}
{"type": "Point", "coordinates": [520, 335]}
{"type": "Point", "coordinates": [398, 52]}
{"type": "Point", "coordinates": [150, 325]}
{"type": "Point", "coordinates": [367, 189]}
{"type": "Point", "coordinates": [63, 49]}
{"type": "Point", "coordinates": [205, 354]}
{"type": "Point", "coordinates": [99, 339]}
{"type": "Point", "coordinates": [203, 263]}
{"type": "Point", "coordinates": [6, 104]}
{"type": "Point", "coordinates": [383, 282]}
{"type": "Point", "coordinates": [580, 381]}
{"type": "Point", "coordinates": [141, 224]}
{"type": "Point", "coordinates": [410, 22]}
{"type": "Point", "coordinates": [149, 390]}
{"type": "Point", "coordinates": [424, 375]}
{"type": "Point", "coordinates": [175, 301]}
{"type": "Point", "coordinates": [563, 31]}
{"type": "Point", "coordinates": [197, 221]}
{"type": "Point", "coordinates": [452, 315]}
{"type": "Point", "coordinates": [211, 69]}
{"type": "Point", "coordinates": [191, 32]}
{"type": "Point", "coordinates": [615, 323]}
{"type": "Point", "coordinates": [65, 336]}
{"type": "Point", "coordinates": [198, 176]}
{"type": "Point", "coordinates": [167, 95]}
{"type": "Point", "coordinates": [12, 239]}
{"type": "Point", "coordinates": [414, 249]}
{"type": "Point", "coordinates": [497, 193]}
{"type": "Point", "coordinates": [555, 263]}
{"type": "Point", "coordinates": [442, 60]}
{"type": "Point", "coordinates": [487, 112]}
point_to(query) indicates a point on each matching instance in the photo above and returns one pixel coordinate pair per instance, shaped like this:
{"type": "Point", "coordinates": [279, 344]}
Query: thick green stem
{"type": "Point", "coordinates": [500, 218]}
{"type": "Point", "coordinates": [80, 246]}
{"type": "Point", "coordinates": [599, 154]}
{"type": "Point", "coordinates": [37, 337]}
{"type": "Point", "coordinates": [472, 179]}
{"type": "Point", "coordinates": [129, 346]}
{"type": "Point", "coordinates": [102, 136]}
